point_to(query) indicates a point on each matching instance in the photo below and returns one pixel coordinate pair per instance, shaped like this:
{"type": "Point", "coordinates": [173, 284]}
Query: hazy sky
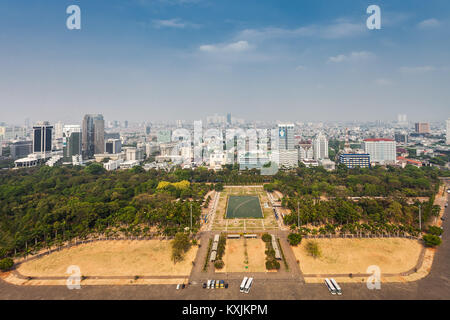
{"type": "Point", "coordinates": [183, 59]}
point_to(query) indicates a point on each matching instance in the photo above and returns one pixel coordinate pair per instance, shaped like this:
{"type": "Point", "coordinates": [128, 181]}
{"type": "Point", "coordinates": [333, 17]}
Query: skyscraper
{"type": "Point", "coordinates": [422, 127]}
{"type": "Point", "coordinates": [71, 142]}
{"type": "Point", "coordinates": [287, 154]}
{"type": "Point", "coordinates": [42, 139]}
{"type": "Point", "coordinates": [93, 135]}
{"type": "Point", "coordinates": [320, 146]}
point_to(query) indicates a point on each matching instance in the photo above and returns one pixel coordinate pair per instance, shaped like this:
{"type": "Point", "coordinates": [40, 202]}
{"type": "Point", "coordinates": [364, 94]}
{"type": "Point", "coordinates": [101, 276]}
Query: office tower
{"type": "Point", "coordinates": [320, 145]}
{"type": "Point", "coordinates": [72, 141]}
{"type": "Point", "coordinates": [148, 129]}
{"type": "Point", "coordinates": [1, 146]}
{"type": "Point", "coordinates": [229, 118]}
{"type": "Point", "coordinates": [21, 149]}
{"type": "Point", "coordinates": [287, 154]}
{"type": "Point", "coordinates": [125, 124]}
{"type": "Point", "coordinates": [58, 136]}
{"type": "Point", "coordinates": [422, 127]}
{"type": "Point", "coordinates": [42, 139]}
{"type": "Point", "coordinates": [382, 151]}
{"type": "Point", "coordinates": [93, 135]}
{"type": "Point", "coordinates": [113, 146]}
{"type": "Point", "coordinates": [401, 138]}
{"type": "Point", "coordinates": [448, 131]}
{"type": "Point", "coordinates": [354, 160]}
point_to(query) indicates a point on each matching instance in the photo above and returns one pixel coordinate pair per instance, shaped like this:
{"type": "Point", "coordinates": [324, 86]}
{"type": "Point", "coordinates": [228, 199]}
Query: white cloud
{"type": "Point", "coordinates": [416, 70]}
{"type": "Point", "coordinates": [339, 29]}
{"type": "Point", "coordinates": [383, 82]}
{"type": "Point", "coordinates": [429, 23]}
{"type": "Point", "coordinates": [172, 23]}
{"type": "Point", "coordinates": [300, 68]}
{"type": "Point", "coordinates": [238, 46]}
{"type": "Point", "coordinates": [354, 56]}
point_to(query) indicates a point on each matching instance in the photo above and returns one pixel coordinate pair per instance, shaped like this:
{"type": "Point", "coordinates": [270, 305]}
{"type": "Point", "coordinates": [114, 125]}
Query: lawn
{"type": "Point", "coordinates": [243, 207]}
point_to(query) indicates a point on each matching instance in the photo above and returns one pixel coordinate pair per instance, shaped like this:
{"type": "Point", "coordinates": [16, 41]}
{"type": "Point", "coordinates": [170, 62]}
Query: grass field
{"type": "Point", "coordinates": [113, 258]}
{"type": "Point", "coordinates": [264, 221]}
{"type": "Point", "coordinates": [343, 256]}
{"type": "Point", "coordinates": [243, 207]}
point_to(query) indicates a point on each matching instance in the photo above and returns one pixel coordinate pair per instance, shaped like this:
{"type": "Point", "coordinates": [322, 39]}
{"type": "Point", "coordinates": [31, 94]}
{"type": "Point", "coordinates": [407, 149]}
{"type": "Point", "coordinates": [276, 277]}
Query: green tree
{"type": "Point", "coordinates": [431, 240]}
{"type": "Point", "coordinates": [6, 264]}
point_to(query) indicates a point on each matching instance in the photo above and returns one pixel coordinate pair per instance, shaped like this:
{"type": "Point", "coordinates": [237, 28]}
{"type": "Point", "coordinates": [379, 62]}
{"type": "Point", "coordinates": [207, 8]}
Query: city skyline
{"type": "Point", "coordinates": [178, 59]}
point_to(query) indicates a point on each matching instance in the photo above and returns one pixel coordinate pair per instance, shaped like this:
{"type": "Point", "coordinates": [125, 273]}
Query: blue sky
{"type": "Point", "coordinates": [183, 59]}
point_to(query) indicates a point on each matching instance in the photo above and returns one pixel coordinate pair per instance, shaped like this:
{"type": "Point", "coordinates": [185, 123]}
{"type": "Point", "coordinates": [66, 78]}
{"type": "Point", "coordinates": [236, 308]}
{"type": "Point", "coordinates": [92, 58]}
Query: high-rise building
{"type": "Point", "coordinates": [448, 131]}
{"type": "Point", "coordinates": [401, 138]}
{"type": "Point", "coordinates": [320, 145]}
{"type": "Point", "coordinates": [164, 136]}
{"type": "Point", "coordinates": [42, 139]}
{"type": "Point", "coordinates": [353, 160]}
{"type": "Point", "coordinates": [381, 150]}
{"type": "Point", "coordinates": [113, 146]}
{"type": "Point", "coordinates": [93, 135]}
{"type": "Point", "coordinates": [21, 149]}
{"type": "Point", "coordinates": [72, 141]}
{"type": "Point", "coordinates": [287, 154]}
{"type": "Point", "coordinates": [422, 127]}
{"type": "Point", "coordinates": [229, 118]}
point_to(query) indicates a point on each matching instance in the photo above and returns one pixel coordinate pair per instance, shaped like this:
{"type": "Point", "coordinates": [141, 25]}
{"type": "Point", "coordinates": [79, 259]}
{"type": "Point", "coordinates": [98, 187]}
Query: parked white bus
{"type": "Point", "coordinates": [208, 285]}
{"type": "Point", "coordinates": [330, 286]}
{"type": "Point", "coordinates": [242, 287]}
{"type": "Point", "coordinates": [248, 285]}
{"type": "Point", "coordinates": [336, 286]}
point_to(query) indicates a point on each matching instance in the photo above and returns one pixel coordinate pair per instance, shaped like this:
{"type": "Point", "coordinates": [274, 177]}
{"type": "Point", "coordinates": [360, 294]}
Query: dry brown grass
{"type": "Point", "coordinates": [234, 256]}
{"type": "Point", "coordinates": [113, 258]}
{"type": "Point", "coordinates": [343, 256]}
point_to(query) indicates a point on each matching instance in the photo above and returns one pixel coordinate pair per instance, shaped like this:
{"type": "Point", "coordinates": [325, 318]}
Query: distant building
{"type": "Point", "coordinates": [113, 146]}
{"type": "Point", "coordinates": [21, 149]}
{"type": "Point", "coordinates": [448, 132]}
{"type": "Point", "coordinates": [93, 135]}
{"type": "Point", "coordinates": [320, 146]}
{"type": "Point", "coordinates": [229, 118]}
{"type": "Point", "coordinates": [164, 136]}
{"type": "Point", "coordinates": [72, 142]}
{"type": "Point", "coordinates": [422, 127]}
{"type": "Point", "coordinates": [402, 161]}
{"type": "Point", "coordinates": [134, 154]}
{"type": "Point", "coordinates": [354, 160]}
{"type": "Point", "coordinates": [401, 138]}
{"type": "Point", "coordinates": [381, 150]}
{"type": "Point", "coordinates": [305, 151]}
{"type": "Point", "coordinates": [42, 139]}
{"type": "Point", "coordinates": [287, 155]}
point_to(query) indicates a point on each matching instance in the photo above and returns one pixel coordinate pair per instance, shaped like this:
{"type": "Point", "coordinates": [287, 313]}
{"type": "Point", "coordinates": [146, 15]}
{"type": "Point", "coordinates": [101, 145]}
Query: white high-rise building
{"type": "Point", "coordinates": [381, 151]}
{"type": "Point", "coordinates": [448, 131]}
{"type": "Point", "coordinates": [287, 154]}
{"type": "Point", "coordinates": [320, 145]}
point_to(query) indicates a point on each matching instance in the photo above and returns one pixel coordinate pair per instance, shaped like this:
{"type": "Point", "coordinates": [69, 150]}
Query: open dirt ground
{"type": "Point", "coordinates": [235, 259]}
{"type": "Point", "coordinates": [113, 258]}
{"type": "Point", "coordinates": [343, 256]}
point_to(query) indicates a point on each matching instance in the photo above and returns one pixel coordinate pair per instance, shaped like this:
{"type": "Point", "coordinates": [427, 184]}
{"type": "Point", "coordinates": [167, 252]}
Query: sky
{"type": "Point", "coordinates": [160, 60]}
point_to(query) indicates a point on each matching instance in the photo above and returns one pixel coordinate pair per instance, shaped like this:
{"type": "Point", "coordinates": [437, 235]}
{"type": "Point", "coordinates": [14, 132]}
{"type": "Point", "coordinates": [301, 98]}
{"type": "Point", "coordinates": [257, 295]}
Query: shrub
{"type": "Point", "coordinates": [6, 264]}
{"type": "Point", "coordinates": [272, 264]}
{"type": "Point", "coordinates": [435, 230]}
{"type": "Point", "coordinates": [218, 264]}
{"type": "Point", "coordinates": [313, 249]}
{"type": "Point", "coordinates": [294, 239]}
{"type": "Point", "coordinates": [3, 253]}
{"type": "Point", "coordinates": [180, 245]}
{"type": "Point", "coordinates": [431, 240]}
{"type": "Point", "coordinates": [266, 237]}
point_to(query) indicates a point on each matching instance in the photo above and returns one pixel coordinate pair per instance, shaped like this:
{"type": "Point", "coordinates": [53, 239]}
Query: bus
{"type": "Point", "coordinates": [242, 287]}
{"type": "Point", "coordinates": [336, 286]}
{"type": "Point", "coordinates": [208, 285]}
{"type": "Point", "coordinates": [248, 285]}
{"type": "Point", "coordinates": [330, 286]}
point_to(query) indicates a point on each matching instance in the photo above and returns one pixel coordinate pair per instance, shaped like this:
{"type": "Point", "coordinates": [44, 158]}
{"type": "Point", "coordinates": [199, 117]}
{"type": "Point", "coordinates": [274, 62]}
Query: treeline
{"type": "Point", "coordinates": [343, 182]}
